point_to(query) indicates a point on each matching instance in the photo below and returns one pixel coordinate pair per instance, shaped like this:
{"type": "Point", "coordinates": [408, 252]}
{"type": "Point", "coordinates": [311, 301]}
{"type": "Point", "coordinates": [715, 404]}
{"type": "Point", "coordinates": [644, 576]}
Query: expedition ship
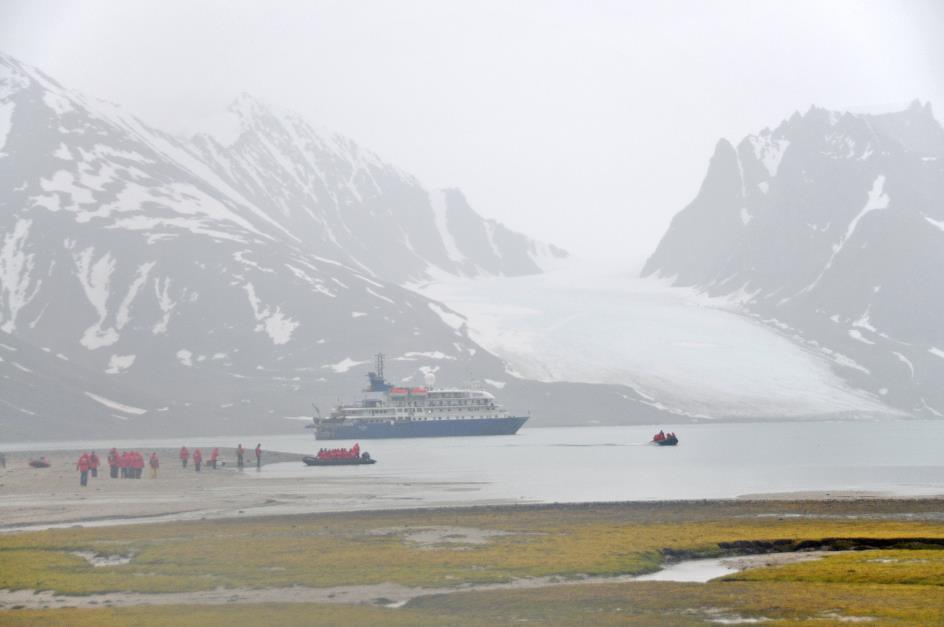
{"type": "Point", "coordinates": [388, 411]}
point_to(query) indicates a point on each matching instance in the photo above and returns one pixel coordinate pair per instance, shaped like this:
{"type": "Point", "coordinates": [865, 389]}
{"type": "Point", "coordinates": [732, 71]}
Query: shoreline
{"type": "Point", "coordinates": [18, 445]}
{"type": "Point", "coordinates": [35, 499]}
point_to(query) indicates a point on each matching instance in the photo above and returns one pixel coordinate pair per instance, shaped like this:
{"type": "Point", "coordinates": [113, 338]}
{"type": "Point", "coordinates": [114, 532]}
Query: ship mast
{"type": "Point", "coordinates": [380, 365]}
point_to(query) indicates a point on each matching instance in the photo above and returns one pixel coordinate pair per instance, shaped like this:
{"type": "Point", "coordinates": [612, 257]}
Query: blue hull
{"type": "Point", "coordinates": [420, 428]}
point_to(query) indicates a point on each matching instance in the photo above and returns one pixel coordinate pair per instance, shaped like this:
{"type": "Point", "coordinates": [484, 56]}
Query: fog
{"type": "Point", "coordinates": [389, 301]}
{"type": "Point", "coordinates": [585, 124]}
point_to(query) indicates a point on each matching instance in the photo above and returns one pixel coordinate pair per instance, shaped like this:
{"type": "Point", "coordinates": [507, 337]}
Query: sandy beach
{"type": "Point", "coordinates": [37, 498]}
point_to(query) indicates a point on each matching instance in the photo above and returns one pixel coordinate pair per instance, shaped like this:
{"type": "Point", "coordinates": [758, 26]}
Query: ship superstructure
{"type": "Point", "coordinates": [388, 411]}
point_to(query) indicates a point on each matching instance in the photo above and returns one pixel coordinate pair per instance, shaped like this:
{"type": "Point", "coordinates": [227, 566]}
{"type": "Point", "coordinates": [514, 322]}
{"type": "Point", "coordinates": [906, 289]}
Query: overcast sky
{"type": "Point", "coordinates": [584, 123]}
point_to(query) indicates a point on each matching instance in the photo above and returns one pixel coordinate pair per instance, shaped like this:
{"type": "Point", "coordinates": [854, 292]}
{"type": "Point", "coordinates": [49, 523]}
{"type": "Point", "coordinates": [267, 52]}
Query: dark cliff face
{"type": "Point", "coordinates": [840, 240]}
{"type": "Point", "coordinates": [715, 214]}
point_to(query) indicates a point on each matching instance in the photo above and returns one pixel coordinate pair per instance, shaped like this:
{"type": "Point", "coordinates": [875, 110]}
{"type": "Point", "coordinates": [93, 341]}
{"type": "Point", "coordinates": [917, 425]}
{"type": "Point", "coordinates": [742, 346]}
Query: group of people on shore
{"type": "Point", "coordinates": [197, 456]}
{"type": "Point", "coordinates": [124, 465]}
{"type": "Point", "coordinates": [130, 464]}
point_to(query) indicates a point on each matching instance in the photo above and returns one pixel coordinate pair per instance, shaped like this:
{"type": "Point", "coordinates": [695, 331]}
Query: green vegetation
{"type": "Point", "coordinates": [914, 567]}
{"type": "Point", "coordinates": [485, 545]}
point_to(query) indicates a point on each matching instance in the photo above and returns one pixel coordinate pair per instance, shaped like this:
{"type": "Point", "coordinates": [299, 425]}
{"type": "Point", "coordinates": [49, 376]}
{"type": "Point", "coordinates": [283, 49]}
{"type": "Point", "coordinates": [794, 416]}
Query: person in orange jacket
{"type": "Point", "coordinates": [83, 467]}
{"type": "Point", "coordinates": [197, 458]}
{"type": "Point", "coordinates": [154, 463]}
{"type": "Point", "coordinates": [239, 456]}
{"type": "Point", "coordinates": [213, 457]}
{"type": "Point", "coordinates": [138, 465]}
{"type": "Point", "coordinates": [184, 455]}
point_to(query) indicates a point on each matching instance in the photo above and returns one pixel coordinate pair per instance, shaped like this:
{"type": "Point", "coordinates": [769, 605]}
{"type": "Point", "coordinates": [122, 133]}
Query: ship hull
{"type": "Point", "coordinates": [351, 430]}
{"type": "Point", "coordinates": [310, 460]}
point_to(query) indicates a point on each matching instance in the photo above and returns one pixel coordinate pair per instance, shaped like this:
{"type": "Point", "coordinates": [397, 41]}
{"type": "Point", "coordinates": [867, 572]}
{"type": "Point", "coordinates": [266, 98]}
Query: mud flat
{"type": "Point", "coordinates": [39, 498]}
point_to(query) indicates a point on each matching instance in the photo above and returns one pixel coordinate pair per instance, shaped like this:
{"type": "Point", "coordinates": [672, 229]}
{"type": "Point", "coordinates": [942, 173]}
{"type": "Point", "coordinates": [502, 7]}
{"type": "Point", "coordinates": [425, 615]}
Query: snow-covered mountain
{"type": "Point", "coordinates": [830, 228]}
{"type": "Point", "coordinates": [348, 204]}
{"type": "Point", "coordinates": [153, 284]}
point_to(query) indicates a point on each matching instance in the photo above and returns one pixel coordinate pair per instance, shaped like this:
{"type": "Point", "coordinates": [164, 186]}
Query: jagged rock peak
{"type": "Point", "coordinates": [836, 234]}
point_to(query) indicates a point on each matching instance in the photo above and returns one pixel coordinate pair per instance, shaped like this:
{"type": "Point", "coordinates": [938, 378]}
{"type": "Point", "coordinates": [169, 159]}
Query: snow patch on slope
{"type": "Point", "coordinates": [165, 302]}
{"type": "Point", "coordinates": [437, 200]}
{"type": "Point", "coordinates": [185, 357]}
{"type": "Point", "coordinates": [274, 323]}
{"type": "Point", "coordinates": [107, 402]}
{"type": "Point", "coordinates": [6, 123]}
{"type": "Point", "coordinates": [17, 285]}
{"type": "Point", "coordinates": [344, 365]}
{"type": "Point", "coordinates": [95, 279]}
{"type": "Point", "coordinates": [769, 151]}
{"type": "Point", "coordinates": [877, 200]}
{"type": "Point", "coordinates": [119, 363]}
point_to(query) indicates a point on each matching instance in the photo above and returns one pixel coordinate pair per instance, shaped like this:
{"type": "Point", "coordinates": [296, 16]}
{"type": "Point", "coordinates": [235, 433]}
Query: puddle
{"type": "Point", "coordinates": [848, 619]}
{"type": "Point", "coordinates": [697, 571]}
{"type": "Point", "coordinates": [99, 561]}
{"type": "Point", "coordinates": [432, 536]}
{"type": "Point", "coordinates": [705, 569]}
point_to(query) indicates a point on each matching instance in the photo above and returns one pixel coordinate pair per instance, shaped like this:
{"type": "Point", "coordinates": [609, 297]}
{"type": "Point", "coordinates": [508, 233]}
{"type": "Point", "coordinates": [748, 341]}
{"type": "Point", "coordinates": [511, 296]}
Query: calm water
{"type": "Point", "coordinates": [617, 463]}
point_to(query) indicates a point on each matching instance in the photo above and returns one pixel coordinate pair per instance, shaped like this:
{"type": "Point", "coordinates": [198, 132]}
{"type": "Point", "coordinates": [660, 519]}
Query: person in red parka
{"type": "Point", "coordinates": [124, 463]}
{"type": "Point", "coordinates": [94, 464]}
{"type": "Point", "coordinates": [258, 456]}
{"type": "Point", "coordinates": [213, 457]}
{"type": "Point", "coordinates": [154, 463]}
{"type": "Point", "coordinates": [113, 463]}
{"type": "Point", "coordinates": [197, 458]}
{"type": "Point", "coordinates": [184, 456]}
{"type": "Point", "coordinates": [83, 467]}
{"type": "Point", "coordinates": [138, 465]}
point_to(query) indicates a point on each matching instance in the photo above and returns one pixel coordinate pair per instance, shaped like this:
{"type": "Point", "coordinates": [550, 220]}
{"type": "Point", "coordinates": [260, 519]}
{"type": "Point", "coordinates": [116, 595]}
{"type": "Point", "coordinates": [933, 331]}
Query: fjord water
{"type": "Point", "coordinates": [579, 464]}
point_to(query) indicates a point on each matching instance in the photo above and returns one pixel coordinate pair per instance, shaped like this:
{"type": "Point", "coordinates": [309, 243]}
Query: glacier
{"type": "Point", "coordinates": [697, 355]}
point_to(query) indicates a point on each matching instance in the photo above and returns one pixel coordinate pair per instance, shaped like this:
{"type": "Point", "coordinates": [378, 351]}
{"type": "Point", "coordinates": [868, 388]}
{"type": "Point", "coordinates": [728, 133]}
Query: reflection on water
{"type": "Point", "coordinates": [616, 463]}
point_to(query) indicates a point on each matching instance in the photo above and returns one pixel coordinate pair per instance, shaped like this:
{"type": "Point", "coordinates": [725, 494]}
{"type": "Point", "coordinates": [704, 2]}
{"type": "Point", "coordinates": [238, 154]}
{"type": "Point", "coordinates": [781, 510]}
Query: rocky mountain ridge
{"type": "Point", "coordinates": [830, 228]}
{"type": "Point", "coordinates": [154, 285]}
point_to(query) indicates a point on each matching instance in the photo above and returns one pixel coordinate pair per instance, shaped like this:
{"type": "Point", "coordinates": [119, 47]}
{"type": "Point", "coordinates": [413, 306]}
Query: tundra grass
{"type": "Point", "coordinates": [351, 549]}
{"type": "Point", "coordinates": [911, 567]}
{"type": "Point", "coordinates": [690, 603]}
